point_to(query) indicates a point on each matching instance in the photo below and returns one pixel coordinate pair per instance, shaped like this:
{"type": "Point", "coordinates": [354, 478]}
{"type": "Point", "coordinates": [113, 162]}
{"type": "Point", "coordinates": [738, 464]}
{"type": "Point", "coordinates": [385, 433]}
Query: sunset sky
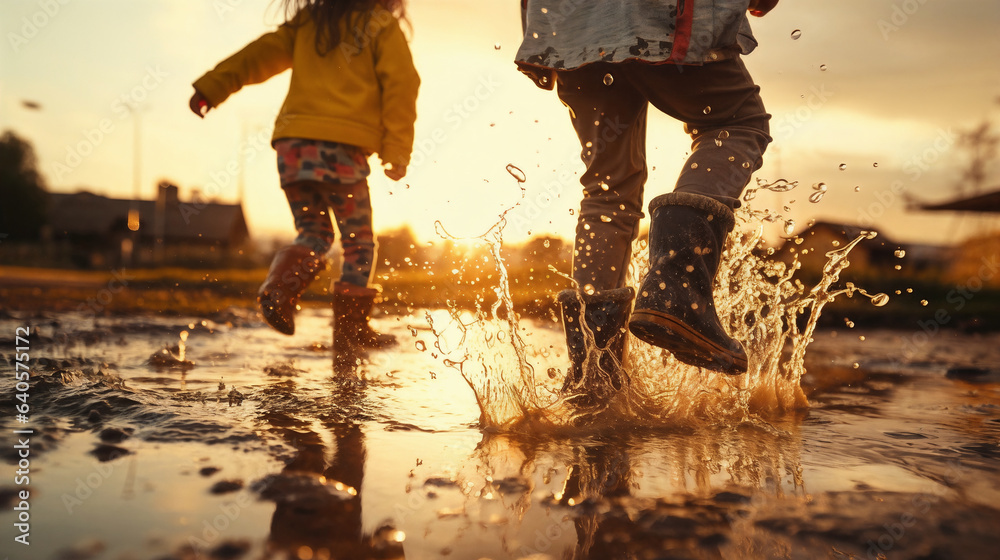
{"type": "Point", "coordinates": [881, 86]}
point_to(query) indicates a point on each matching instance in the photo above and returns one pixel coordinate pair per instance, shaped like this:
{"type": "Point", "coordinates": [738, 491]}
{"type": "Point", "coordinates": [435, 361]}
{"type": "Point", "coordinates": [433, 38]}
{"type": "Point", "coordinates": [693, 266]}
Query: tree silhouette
{"type": "Point", "coordinates": [981, 144]}
{"type": "Point", "coordinates": [23, 197]}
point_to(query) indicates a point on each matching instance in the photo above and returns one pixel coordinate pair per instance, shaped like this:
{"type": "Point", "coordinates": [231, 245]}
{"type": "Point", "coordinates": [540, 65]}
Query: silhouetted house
{"type": "Point", "coordinates": [986, 203]}
{"type": "Point", "coordinates": [94, 230]}
{"type": "Point", "coordinates": [880, 255]}
{"type": "Point", "coordinates": [975, 260]}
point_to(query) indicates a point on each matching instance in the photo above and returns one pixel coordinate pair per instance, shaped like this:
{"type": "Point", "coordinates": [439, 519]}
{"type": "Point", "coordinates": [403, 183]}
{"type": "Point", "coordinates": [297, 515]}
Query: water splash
{"type": "Point", "coordinates": [760, 302]}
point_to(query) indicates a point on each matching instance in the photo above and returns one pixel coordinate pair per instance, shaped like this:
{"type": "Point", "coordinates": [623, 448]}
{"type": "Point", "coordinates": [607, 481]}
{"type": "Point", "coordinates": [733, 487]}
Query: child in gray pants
{"type": "Point", "coordinates": [608, 62]}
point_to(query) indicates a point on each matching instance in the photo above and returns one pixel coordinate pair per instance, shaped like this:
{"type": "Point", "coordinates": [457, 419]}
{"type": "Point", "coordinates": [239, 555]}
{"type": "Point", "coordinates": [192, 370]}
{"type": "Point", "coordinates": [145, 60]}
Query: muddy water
{"type": "Point", "coordinates": [252, 445]}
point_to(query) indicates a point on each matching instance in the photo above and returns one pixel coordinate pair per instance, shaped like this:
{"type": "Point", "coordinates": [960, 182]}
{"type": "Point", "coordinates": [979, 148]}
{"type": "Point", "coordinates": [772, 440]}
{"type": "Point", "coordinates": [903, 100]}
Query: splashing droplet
{"type": "Point", "coordinates": [796, 34]}
{"type": "Point", "coordinates": [707, 109]}
{"type": "Point", "coordinates": [899, 253]}
{"type": "Point", "coordinates": [516, 173]}
{"type": "Point", "coordinates": [589, 289]}
{"type": "Point", "coordinates": [606, 219]}
{"type": "Point", "coordinates": [608, 79]}
{"type": "Point", "coordinates": [816, 196]}
{"type": "Point", "coordinates": [789, 227]}
{"type": "Point", "coordinates": [924, 302]}
{"type": "Point", "coordinates": [879, 300]}
{"type": "Point", "coordinates": [546, 243]}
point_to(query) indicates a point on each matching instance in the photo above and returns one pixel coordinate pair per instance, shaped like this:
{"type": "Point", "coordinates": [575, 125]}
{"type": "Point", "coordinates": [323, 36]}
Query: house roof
{"type": "Point", "coordinates": [85, 213]}
{"type": "Point", "coordinates": [988, 202]}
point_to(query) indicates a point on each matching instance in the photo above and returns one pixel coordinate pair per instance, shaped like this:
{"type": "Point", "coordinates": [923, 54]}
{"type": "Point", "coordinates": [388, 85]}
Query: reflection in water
{"type": "Point", "coordinates": [621, 495]}
{"type": "Point", "coordinates": [318, 510]}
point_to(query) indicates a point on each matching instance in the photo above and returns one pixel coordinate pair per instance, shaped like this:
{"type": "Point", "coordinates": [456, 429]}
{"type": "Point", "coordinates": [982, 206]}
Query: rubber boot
{"type": "Point", "coordinates": [294, 267]}
{"type": "Point", "coordinates": [675, 307]}
{"type": "Point", "coordinates": [352, 307]}
{"type": "Point", "coordinates": [596, 344]}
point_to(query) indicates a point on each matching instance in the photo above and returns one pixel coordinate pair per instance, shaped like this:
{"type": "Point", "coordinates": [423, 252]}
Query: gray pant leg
{"type": "Point", "coordinates": [610, 121]}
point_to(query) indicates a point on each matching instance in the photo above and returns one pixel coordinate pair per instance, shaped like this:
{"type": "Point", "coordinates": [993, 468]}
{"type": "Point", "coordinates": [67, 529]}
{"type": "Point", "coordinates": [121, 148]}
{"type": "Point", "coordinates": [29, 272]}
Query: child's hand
{"type": "Point", "coordinates": [760, 7]}
{"type": "Point", "coordinates": [199, 105]}
{"type": "Point", "coordinates": [395, 172]}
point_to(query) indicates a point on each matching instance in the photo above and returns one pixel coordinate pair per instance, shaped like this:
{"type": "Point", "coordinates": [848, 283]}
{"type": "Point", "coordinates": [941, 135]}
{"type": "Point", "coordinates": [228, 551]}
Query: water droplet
{"type": "Point", "coordinates": [898, 267]}
{"type": "Point", "coordinates": [608, 79]}
{"type": "Point", "coordinates": [516, 173]}
{"type": "Point", "coordinates": [604, 186]}
{"type": "Point", "coordinates": [909, 290]}
{"type": "Point", "coordinates": [694, 165]}
{"type": "Point", "coordinates": [857, 188]}
{"type": "Point", "coordinates": [589, 289]}
{"type": "Point", "coordinates": [816, 196]}
{"type": "Point", "coordinates": [924, 302]}
{"type": "Point", "coordinates": [420, 345]}
{"type": "Point", "coordinates": [707, 109]}
{"type": "Point", "coordinates": [746, 165]}
{"type": "Point", "coordinates": [899, 253]}
{"type": "Point", "coordinates": [605, 219]}
{"type": "Point", "coordinates": [724, 134]}
{"type": "Point", "coordinates": [750, 195]}
{"type": "Point", "coordinates": [496, 46]}
{"type": "Point", "coordinates": [718, 142]}
{"type": "Point", "coordinates": [878, 300]}
{"type": "Point", "coordinates": [861, 338]}
{"type": "Point", "coordinates": [796, 34]}
{"type": "Point", "coordinates": [849, 323]}
{"type": "Point", "coordinates": [546, 243]}
{"type": "Point", "coordinates": [822, 67]}
{"type": "Point", "coordinates": [856, 365]}
{"type": "Point", "coordinates": [571, 211]}
{"type": "Point", "coordinates": [731, 158]}
{"type": "Point", "coordinates": [842, 166]}
{"type": "Point", "coordinates": [789, 227]}
{"type": "Point", "coordinates": [875, 164]}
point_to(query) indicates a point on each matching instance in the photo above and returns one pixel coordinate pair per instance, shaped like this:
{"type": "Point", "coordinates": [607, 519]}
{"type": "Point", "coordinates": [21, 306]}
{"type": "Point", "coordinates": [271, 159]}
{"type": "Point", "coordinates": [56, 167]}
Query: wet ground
{"type": "Point", "coordinates": [232, 441]}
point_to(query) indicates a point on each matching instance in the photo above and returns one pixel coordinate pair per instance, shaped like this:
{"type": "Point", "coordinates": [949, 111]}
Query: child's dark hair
{"type": "Point", "coordinates": [327, 14]}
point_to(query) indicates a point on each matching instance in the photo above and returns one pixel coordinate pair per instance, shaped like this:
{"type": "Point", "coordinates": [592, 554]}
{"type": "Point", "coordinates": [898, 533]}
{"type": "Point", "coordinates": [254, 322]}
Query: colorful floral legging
{"type": "Point", "coordinates": [322, 177]}
{"type": "Point", "coordinates": [311, 204]}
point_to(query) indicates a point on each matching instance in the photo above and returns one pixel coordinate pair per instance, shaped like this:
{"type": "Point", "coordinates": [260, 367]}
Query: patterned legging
{"type": "Point", "coordinates": [311, 203]}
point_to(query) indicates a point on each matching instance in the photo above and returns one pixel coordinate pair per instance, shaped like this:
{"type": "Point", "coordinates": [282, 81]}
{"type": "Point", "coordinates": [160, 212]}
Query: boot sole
{"type": "Point", "coordinates": [664, 331]}
{"type": "Point", "coordinates": [274, 319]}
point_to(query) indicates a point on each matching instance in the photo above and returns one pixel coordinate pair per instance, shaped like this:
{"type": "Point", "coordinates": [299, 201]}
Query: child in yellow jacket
{"type": "Point", "coordinates": [353, 93]}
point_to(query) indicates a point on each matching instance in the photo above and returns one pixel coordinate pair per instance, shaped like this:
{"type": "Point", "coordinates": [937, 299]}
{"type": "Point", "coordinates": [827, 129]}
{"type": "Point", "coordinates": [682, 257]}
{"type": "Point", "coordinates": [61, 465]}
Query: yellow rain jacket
{"type": "Point", "coordinates": [363, 92]}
